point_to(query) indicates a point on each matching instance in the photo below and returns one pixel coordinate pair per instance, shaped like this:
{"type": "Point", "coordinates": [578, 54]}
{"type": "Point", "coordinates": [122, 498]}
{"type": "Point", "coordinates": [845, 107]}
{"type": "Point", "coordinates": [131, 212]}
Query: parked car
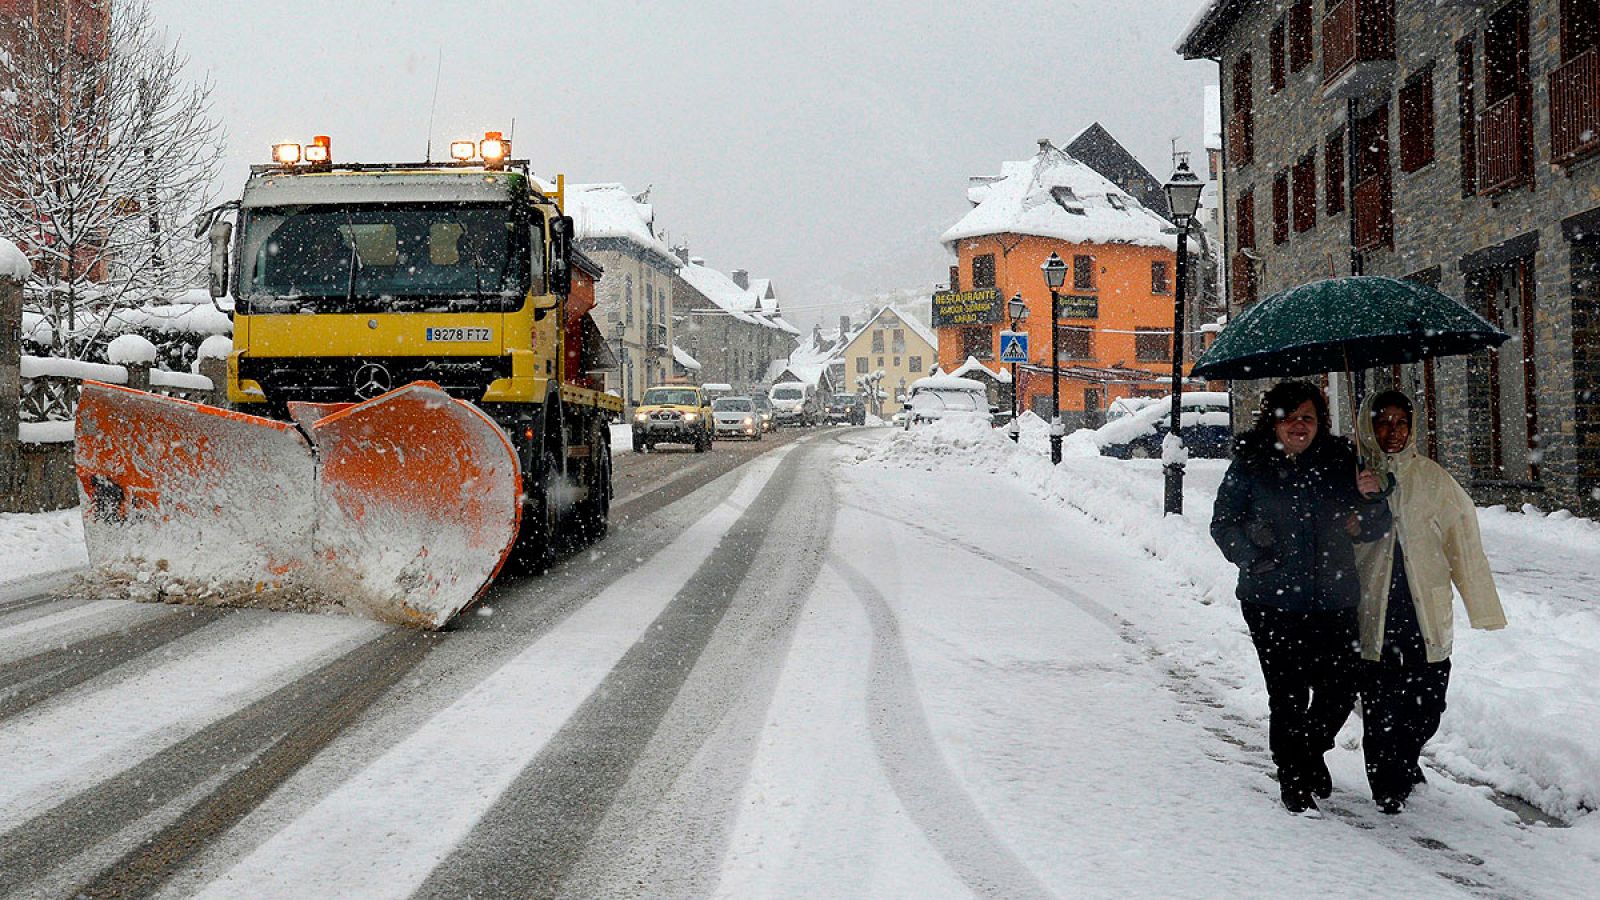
{"type": "Point", "coordinates": [938, 397]}
{"type": "Point", "coordinates": [764, 411]}
{"type": "Point", "coordinates": [846, 409]}
{"type": "Point", "coordinates": [899, 418]}
{"type": "Point", "coordinates": [735, 417]}
{"type": "Point", "coordinates": [794, 403]}
{"type": "Point", "coordinates": [1127, 406]}
{"type": "Point", "coordinates": [677, 414]}
{"type": "Point", "coordinates": [1207, 433]}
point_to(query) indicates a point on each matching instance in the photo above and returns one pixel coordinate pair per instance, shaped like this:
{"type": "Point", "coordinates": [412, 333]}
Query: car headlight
{"type": "Point", "coordinates": [691, 417]}
{"type": "Point", "coordinates": [640, 417]}
{"type": "Point", "coordinates": [749, 420]}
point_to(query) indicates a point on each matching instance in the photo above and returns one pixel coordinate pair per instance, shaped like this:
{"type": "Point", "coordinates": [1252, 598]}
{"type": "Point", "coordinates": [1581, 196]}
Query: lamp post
{"type": "Point", "coordinates": [1055, 275]}
{"type": "Point", "coordinates": [1018, 308]}
{"type": "Point", "coordinates": [1183, 197]}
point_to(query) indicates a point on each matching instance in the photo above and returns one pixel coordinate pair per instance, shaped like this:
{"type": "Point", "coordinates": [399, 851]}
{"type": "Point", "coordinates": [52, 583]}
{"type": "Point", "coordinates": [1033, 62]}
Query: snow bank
{"type": "Point", "coordinates": [1524, 713]}
{"type": "Point", "coordinates": [13, 264]}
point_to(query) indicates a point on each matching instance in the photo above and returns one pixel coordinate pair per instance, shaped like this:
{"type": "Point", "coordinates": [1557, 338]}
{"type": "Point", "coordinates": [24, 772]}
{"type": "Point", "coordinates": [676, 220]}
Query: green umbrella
{"type": "Point", "coordinates": [1345, 324]}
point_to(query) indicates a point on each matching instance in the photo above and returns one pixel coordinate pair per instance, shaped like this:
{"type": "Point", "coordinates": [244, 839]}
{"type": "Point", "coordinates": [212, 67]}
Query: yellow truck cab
{"type": "Point", "coordinates": [673, 413]}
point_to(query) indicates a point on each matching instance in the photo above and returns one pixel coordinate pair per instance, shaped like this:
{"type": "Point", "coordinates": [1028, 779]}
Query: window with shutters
{"type": "Point", "coordinates": [1152, 344]}
{"type": "Point", "coordinates": [1333, 170]}
{"type": "Point", "coordinates": [976, 342]}
{"type": "Point", "coordinates": [1159, 282]}
{"type": "Point", "coordinates": [1300, 31]}
{"type": "Point", "coordinates": [861, 365]}
{"type": "Point", "coordinates": [983, 271]}
{"type": "Point", "coordinates": [1466, 110]}
{"type": "Point", "coordinates": [877, 340]}
{"type": "Point", "coordinates": [1275, 63]}
{"type": "Point", "coordinates": [1505, 125]}
{"type": "Point", "coordinates": [1416, 121]}
{"type": "Point", "coordinates": [1374, 199]}
{"type": "Point", "coordinates": [897, 342]}
{"type": "Point", "coordinates": [914, 363]}
{"type": "Point", "coordinates": [1074, 343]}
{"type": "Point", "coordinates": [1305, 192]}
{"type": "Point", "coordinates": [1575, 84]}
{"type": "Point", "coordinates": [1241, 125]}
{"type": "Point", "coordinates": [1244, 219]}
{"type": "Point", "coordinates": [1280, 207]}
{"type": "Point", "coordinates": [1083, 273]}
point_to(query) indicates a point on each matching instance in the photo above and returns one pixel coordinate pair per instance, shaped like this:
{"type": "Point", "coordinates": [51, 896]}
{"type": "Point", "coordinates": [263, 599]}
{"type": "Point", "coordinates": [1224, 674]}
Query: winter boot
{"type": "Point", "coordinates": [1318, 780]}
{"type": "Point", "coordinates": [1390, 804]}
{"type": "Point", "coordinates": [1297, 799]}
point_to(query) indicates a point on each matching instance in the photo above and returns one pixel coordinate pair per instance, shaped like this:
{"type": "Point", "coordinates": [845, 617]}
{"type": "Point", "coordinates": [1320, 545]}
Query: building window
{"type": "Point", "coordinates": [897, 362]}
{"type": "Point", "coordinates": [983, 271]}
{"type": "Point", "coordinates": [1275, 69]}
{"type": "Point", "coordinates": [1416, 121]}
{"type": "Point", "coordinates": [1575, 84]}
{"type": "Point", "coordinates": [1074, 343]}
{"type": "Point", "coordinates": [1333, 170]}
{"type": "Point", "coordinates": [898, 345]}
{"type": "Point", "coordinates": [1159, 282]}
{"type": "Point", "coordinates": [1466, 110]}
{"type": "Point", "coordinates": [1083, 273]}
{"type": "Point", "coordinates": [1300, 29]}
{"type": "Point", "coordinates": [976, 342]}
{"type": "Point", "coordinates": [627, 298]}
{"type": "Point", "coordinates": [1241, 128]}
{"type": "Point", "coordinates": [1374, 209]}
{"type": "Point", "coordinates": [1280, 207]}
{"type": "Point", "coordinates": [1505, 377]}
{"type": "Point", "coordinates": [861, 365]}
{"type": "Point", "coordinates": [877, 340]}
{"type": "Point", "coordinates": [1305, 192]}
{"type": "Point", "coordinates": [1244, 219]}
{"type": "Point", "coordinates": [880, 362]}
{"type": "Point", "coordinates": [1505, 127]}
{"type": "Point", "coordinates": [914, 363]}
{"type": "Point", "coordinates": [1152, 345]}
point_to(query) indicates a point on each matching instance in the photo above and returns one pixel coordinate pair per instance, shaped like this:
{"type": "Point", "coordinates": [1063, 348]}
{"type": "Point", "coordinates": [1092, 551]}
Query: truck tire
{"type": "Point", "coordinates": [702, 443]}
{"type": "Point", "coordinates": [594, 511]}
{"type": "Point", "coordinates": [638, 445]}
{"type": "Point", "coordinates": [540, 533]}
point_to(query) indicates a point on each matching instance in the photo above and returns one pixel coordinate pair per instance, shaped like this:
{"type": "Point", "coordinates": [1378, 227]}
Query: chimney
{"type": "Point", "coordinates": [682, 253]}
{"type": "Point", "coordinates": [1044, 145]}
{"type": "Point", "coordinates": [742, 279]}
{"type": "Point", "coordinates": [844, 327]}
{"type": "Point", "coordinates": [955, 278]}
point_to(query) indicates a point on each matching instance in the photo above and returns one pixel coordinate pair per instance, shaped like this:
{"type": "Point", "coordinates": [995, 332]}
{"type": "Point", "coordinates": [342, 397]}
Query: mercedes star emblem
{"type": "Point", "coordinates": [372, 380]}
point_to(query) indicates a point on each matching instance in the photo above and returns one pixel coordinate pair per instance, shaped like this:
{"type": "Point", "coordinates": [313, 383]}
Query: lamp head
{"type": "Point", "coordinates": [1055, 272]}
{"type": "Point", "coordinates": [1183, 193]}
{"type": "Point", "coordinates": [1017, 307]}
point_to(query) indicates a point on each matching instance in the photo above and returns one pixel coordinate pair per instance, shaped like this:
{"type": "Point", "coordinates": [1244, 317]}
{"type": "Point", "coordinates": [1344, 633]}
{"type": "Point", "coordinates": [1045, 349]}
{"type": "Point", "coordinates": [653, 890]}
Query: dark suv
{"type": "Point", "coordinates": [846, 409]}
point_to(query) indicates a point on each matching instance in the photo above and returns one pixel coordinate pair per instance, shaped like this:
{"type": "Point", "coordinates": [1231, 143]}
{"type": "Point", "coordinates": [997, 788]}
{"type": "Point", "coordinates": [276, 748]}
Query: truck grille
{"type": "Point", "coordinates": [665, 415]}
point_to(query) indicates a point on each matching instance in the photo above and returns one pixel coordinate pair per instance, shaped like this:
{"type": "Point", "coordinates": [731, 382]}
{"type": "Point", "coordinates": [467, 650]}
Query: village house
{"type": "Point", "coordinates": [1453, 143]}
{"type": "Point", "coordinates": [728, 324]}
{"type": "Point", "coordinates": [899, 346]}
{"type": "Point", "coordinates": [1114, 327]}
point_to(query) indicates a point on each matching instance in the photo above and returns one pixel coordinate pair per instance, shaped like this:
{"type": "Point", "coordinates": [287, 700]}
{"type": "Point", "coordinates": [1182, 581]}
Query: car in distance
{"type": "Point", "coordinates": [764, 411]}
{"type": "Point", "coordinates": [672, 414]}
{"type": "Point", "coordinates": [939, 397]}
{"type": "Point", "coordinates": [794, 403]}
{"type": "Point", "coordinates": [846, 409]}
{"type": "Point", "coordinates": [735, 417]}
{"type": "Point", "coordinates": [1203, 417]}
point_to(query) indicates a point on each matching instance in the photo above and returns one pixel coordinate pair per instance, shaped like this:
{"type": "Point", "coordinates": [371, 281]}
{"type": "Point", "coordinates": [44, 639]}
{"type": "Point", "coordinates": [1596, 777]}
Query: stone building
{"type": "Point", "coordinates": [730, 324]}
{"type": "Point", "coordinates": [1454, 143]}
{"type": "Point", "coordinates": [633, 308]}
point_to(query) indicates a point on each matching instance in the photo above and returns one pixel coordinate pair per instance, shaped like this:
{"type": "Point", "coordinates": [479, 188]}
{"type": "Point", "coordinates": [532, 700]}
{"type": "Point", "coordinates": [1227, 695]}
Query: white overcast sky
{"type": "Point", "coordinates": [824, 144]}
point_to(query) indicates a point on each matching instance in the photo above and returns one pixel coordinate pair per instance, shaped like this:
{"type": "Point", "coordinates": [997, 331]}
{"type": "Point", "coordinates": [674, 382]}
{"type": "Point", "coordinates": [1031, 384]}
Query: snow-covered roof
{"type": "Point", "coordinates": [972, 365]}
{"type": "Point", "coordinates": [947, 383]}
{"type": "Point", "coordinates": [1212, 118]}
{"type": "Point", "coordinates": [718, 288]}
{"type": "Point", "coordinates": [13, 264]}
{"type": "Point", "coordinates": [609, 211]}
{"type": "Point", "coordinates": [682, 358]}
{"type": "Point", "coordinates": [917, 328]}
{"type": "Point", "coordinates": [1053, 195]}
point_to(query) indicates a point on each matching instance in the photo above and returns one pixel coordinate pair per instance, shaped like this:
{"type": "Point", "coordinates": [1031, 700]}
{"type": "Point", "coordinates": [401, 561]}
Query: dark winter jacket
{"type": "Point", "coordinates": [1283, 520]}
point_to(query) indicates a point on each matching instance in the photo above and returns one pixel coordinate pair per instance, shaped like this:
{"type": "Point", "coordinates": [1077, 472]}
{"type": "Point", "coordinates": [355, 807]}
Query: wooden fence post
{"type": "Point", "coordinates": [10, 384]}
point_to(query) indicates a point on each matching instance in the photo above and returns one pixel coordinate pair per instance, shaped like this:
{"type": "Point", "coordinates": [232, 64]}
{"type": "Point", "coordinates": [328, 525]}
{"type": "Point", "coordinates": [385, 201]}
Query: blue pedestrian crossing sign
{"type": "Point", "coordinates": [1013, 346]}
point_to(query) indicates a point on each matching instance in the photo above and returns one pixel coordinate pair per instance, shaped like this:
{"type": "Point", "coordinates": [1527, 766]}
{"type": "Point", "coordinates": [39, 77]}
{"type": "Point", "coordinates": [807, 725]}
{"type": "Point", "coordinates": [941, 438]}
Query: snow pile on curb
{"type": "Point", "coordinates": [1524, 713]}
{"type": "Point", "coordinates": [33, 544]}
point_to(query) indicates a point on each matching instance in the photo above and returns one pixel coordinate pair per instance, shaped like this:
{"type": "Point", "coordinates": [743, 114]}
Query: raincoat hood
{"type": "Point", "coordinates": [1375, 458]}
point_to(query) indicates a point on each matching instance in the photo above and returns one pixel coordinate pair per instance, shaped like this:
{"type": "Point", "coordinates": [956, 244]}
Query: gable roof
{"type": "Point", "coordinates": [1105, 154]}
{"type": "Point", "coordinates": [1056, 196]}
{"type": "Point", "coordinates": [602, 211]}
{"type": "Point", "coordinates": [1203, 38]}
{"type": "Point", "coordinates": [915, 327]}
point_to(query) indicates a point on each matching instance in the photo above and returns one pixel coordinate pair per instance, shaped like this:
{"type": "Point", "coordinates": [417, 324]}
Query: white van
{"type": "Point", "coordinates": [793, 403]}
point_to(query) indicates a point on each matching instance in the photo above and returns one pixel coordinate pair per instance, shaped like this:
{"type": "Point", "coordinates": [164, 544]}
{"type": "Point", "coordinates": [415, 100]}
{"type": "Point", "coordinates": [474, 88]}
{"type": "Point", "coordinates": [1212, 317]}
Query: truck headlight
{"type": "Point", "coordinates": [640, 417]}
{"type": "Point", "coordinates": [691, 417]}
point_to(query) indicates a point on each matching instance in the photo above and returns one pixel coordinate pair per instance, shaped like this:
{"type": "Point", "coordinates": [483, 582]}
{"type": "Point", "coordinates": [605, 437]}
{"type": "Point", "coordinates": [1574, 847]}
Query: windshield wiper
{"type": "Point", "coordinates": [350, 283]}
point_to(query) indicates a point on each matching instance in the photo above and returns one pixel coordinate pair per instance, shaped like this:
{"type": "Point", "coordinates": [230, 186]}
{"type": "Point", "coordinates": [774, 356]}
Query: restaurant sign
{"type": "Point", "coordinates": [1079, 308]}
{"type": "Point", "coordinates": [967, 308]}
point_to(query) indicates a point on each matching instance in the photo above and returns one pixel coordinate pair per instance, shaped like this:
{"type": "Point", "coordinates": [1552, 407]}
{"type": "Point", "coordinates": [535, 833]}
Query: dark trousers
{"type": "Point", "coordinates": [1400, 710]}
{"type": "Point", "coordinates": [1311, 663]}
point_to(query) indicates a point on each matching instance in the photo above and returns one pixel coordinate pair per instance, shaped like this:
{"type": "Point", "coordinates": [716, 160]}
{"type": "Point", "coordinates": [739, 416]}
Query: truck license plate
{"type": "Point", "coordinates": [460, 335]}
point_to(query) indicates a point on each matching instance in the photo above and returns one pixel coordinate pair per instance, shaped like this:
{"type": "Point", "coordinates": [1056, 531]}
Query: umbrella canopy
{"type": "Point", "coordinates": [1345, 324]}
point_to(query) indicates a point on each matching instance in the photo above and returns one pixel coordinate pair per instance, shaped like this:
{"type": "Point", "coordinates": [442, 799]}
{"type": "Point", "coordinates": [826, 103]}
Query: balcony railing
{"type": "Point", "coordinates": [1241, 137]}
{"type": "Point", "coordinates": [1374, 213]}
{"type": "Point", "coordinates": [1505, 143]}
{"type": "Point", "coordinates": [1356, 31]}
{"type": "Point", "coordinates": [1575, 108]}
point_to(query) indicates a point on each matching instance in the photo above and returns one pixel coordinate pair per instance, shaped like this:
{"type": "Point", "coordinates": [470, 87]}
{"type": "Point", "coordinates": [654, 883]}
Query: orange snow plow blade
{"type": "Point", "coordinates": [403, 507]}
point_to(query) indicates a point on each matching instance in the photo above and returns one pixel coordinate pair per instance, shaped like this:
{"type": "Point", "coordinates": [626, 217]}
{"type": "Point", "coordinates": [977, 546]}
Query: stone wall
{"type": "Point", "coordinates": [1437, 228]}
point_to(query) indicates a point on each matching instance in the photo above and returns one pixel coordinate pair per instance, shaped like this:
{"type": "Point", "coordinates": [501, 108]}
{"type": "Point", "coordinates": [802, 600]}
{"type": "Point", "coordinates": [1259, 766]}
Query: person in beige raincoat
{"type": "Point", "coordinates": [1407, 609]}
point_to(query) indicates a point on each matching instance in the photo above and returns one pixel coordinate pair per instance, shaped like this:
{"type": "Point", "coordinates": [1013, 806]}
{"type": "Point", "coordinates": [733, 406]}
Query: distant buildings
{"type": "Point", "coordinates": [730, 324]}
{"type": "Point", "coordinates": [900, 347]}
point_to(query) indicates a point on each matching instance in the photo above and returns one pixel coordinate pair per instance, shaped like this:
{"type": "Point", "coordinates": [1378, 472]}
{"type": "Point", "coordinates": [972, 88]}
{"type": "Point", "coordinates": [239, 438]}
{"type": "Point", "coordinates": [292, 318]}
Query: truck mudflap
{"type": "Point", "coordinates": [403, 507]}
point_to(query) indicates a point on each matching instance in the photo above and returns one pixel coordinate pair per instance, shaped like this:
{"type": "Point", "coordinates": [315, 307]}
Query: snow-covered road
{"type": "Point", "coordinates": [873, 663]}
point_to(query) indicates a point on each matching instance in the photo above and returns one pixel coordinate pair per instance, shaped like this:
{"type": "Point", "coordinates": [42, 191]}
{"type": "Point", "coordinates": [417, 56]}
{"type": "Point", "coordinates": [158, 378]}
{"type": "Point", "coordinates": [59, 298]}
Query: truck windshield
{"type": "Point", "coordinates": [383, 258]}
{"type": "Point", "coordinates": [671, 397]}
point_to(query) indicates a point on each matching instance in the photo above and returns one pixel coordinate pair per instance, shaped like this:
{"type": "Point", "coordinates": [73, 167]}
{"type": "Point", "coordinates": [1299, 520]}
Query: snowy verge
{"type": "Point", "coordinates": [1524, 714]}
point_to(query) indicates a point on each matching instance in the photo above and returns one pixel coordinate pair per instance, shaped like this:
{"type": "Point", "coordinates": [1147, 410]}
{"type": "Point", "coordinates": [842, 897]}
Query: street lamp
{"type": "Point", "coordinates": [1055, 275]}
{"type": "Point", "coordinates": [1183, 197]}
{"type": "Point", "coordinates": [1018, 308]}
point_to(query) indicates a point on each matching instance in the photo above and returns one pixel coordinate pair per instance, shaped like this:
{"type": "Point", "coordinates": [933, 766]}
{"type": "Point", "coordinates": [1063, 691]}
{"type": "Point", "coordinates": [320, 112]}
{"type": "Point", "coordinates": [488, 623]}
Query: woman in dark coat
{"type": "Point", "coordinates": [1287, 514]}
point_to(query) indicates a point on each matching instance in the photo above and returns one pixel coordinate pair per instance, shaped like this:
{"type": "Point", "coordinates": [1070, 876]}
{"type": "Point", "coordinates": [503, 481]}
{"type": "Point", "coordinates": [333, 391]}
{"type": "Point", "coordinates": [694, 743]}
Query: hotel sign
{"type": "Point", "coordinates": [1079, 308]}
{"type": "Point", "coordinates": [967, 308]}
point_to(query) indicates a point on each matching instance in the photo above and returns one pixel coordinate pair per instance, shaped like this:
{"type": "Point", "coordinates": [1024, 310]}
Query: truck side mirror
{"type": "Point", "coordinates": [221, 234]}
{"type": "Point", "coordinates": [561, 229]}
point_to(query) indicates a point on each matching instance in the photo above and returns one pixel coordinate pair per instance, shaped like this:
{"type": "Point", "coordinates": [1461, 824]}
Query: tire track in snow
{"type": "Point", "coordinates": [536, 832]}
{"type": "Point", "coordinates": [929, 791]}
{"type": "Point", "coordinates": [1463, 870]}
{"type": "Point", "coordinates": [240, 759]}
{"type": "Point", "coordinates": [30, 680]}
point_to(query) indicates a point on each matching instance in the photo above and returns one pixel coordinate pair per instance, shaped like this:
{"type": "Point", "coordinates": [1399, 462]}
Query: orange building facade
{"type": "Point", "coordinates": [1115, 320]}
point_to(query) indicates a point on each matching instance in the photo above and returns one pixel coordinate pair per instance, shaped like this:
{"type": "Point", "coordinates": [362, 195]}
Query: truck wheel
{"type": "Point", "coordinates": [702, 443]}
{"type": "Point", "coordinates": [594, 512]}
{"type": "Point", "coordinates": [638, 445]}
{"type": "Point", "coordinates": [535, 549]}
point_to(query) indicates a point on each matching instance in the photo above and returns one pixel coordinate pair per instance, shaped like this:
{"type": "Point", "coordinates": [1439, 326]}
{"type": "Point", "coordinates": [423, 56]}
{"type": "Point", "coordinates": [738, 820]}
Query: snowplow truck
{"type": "Point", "coordinates": [413, 399]}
